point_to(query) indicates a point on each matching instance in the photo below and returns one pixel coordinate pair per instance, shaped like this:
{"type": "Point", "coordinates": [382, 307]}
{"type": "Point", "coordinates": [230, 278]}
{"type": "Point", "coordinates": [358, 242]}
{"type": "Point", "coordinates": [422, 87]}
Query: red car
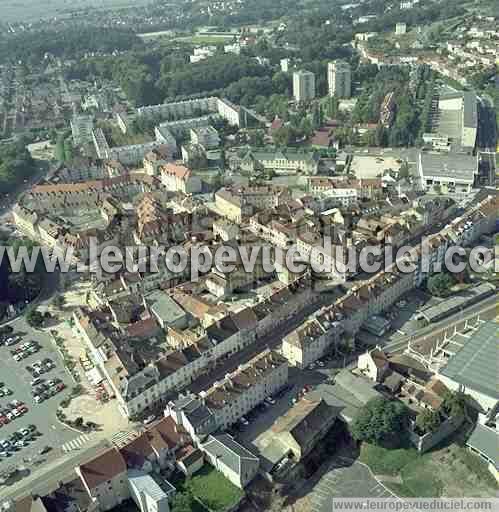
{"type": "Point", "coordinates": [4, 420]}
{"type": "Point", "coordinates": [22, 409]}
{"type": "Point", "coordinates": [60, 386]}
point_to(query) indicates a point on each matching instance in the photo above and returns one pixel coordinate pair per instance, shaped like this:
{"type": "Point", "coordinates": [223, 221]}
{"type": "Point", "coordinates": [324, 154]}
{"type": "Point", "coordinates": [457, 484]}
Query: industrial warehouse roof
{"type": "Point", "coordinates": [485, 440]}
{"type": "Point", "coordinates": [454, 303]}
{"type": "Point", "coordinates": [458, 166]}
{"type": "Point", "coordinates": [475, 364]}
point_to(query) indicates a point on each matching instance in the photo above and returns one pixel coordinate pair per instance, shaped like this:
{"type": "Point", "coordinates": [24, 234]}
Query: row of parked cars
{"type": "Point", "coordinates": [25, 350]}
{"type": "Point", "coordinates": [43, 390]}
{"type": "Point", "coordinates": [40, 367]}
{"type": "Point", "coordinates": [261, 407]}
{"type": "Point", "coordinates": [18, 440]}
{"type": "Point", "coordinates": [11, 411]}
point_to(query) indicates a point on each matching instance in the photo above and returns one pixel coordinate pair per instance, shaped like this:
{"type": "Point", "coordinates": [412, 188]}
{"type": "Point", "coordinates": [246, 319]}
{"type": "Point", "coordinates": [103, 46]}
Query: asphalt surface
{"type": "Point", "coordinates": [60, 470]}
{"type": "Point", "coordinates": [346, 478]}
{"type": "Point", "coordinates": [15, 376]}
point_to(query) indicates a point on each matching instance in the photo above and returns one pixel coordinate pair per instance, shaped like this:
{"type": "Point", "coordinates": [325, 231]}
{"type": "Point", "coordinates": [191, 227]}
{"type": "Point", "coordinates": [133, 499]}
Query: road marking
{"type": "Point", "coordinates": [75, 444]}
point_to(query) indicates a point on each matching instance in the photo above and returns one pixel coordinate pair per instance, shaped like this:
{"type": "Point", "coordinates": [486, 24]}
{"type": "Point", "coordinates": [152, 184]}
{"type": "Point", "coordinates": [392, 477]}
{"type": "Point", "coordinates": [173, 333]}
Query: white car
{"type": "Point", "coordinates": [149, 419]}
{"type": "Point", "coordinates": [244, 421]}
{"type": "Point", "coordinates": [270, 400]}
{"type": "Point", "coordinates": [320, 364]}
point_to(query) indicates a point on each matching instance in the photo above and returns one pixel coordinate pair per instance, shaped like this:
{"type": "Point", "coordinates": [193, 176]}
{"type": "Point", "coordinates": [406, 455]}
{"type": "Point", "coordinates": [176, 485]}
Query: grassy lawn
{"type": "Point", "coordinates": [445, 471]}
{"type": "Point", "coordinates": [211, 488]}
{"type": "Point", "coordinates": [386, 462]}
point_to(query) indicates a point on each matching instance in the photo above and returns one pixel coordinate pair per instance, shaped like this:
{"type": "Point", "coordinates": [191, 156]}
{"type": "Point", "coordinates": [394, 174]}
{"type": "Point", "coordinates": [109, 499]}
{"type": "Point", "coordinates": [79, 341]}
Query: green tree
{"type": "Point", "coordinates": [454, 404]}
{"type": "Point", "coordinates": [428, 421]}
{"type": "Point", "coordinates": [379, 420]}
{"type": "Point", "coordinates": [183, 502]}
{"type": "Point", "coordinates": [282, 136]}
{"type": "Point", "coordinates": [440, 284]}
{"type": "Point", "coordinates": [34, 318]}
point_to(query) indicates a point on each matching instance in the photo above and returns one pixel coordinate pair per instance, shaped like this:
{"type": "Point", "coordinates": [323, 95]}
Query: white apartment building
{"type": "Point", "coordinates": [181, 109]}
{"type": "Point", "coordinates": [242, 390]}
{"type": "Point", "coordinates": [400, 29]}
{"type": "Point", "coordinates": [205, 136]}
{"type": "Point", "coordinates": [81, 129]}
{"type": "Point", "coordinates": [339, 79]}
{"type": "Point", "coordinates": [164, 136]}
{"type": "Point", "coordinates": [177, 178]}
{"type": "Point", "coordinates": [234, 114]}
{"type": "Point", "coordinates": [303, 85]}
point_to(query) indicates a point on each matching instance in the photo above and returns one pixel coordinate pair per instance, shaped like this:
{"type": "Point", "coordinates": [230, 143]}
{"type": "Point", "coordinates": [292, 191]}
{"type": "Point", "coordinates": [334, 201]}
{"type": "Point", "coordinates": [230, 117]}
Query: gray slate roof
{"type": "Point", "coordinates": [475, 365]}
{"type": "Point", "coordinates": [231, 453]}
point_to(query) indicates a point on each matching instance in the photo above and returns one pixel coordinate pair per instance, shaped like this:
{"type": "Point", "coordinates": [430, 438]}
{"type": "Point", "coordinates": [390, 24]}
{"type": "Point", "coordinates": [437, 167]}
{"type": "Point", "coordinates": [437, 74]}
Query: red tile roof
{"type": "Point", "coordinates": [104, 467]}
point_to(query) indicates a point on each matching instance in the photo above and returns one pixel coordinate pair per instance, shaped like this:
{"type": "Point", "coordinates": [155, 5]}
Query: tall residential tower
{"type": "Point", "coordinates": [339, 79]}
{"type": "Point", "coordinates": [303, 85]}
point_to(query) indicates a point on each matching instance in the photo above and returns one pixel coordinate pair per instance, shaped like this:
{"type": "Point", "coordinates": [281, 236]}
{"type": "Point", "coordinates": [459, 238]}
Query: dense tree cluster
{"type": "Point", "coordinates": [380, 420]}
{"type": "Point", "coordinates": [406, 126]}
{"type": "Point", "coordinates": [70, 42]}
{"type": "Point", "coordinates": [16, 165]}
{"type": "Point", "coordinates": [18, 287]}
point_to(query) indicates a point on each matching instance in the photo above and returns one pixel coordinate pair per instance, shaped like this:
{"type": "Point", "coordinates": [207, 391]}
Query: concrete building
{"type": "Point", "coordinates": [400, 29]}
{"type": "Point", "coordinates": [81, 129]}
{"type": "Point", "coordinates": [339, 79]}
{"type": "Point", "coordinates": [234, 461]}
{"type": "Point", "coordinates": [205, 136]}
{"type": "Point", "coordinates": [448, 174]}
{"type": "Point", "coordinates": [285, 65]}
{"type": "Point", "coordinates": [303, 85]}
{"type": "Point", "coordinates": [165, 136]}
{"type": "Point", "coordinates": [458, 120]}
{"type": "Point", "coordinates": [281, 161]}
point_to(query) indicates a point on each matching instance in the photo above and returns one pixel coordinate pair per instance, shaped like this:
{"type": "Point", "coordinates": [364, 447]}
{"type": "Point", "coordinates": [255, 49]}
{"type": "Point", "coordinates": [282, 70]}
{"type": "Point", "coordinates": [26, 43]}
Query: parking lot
{"type": "Point", "coordinates": [43, 429]}
{"type": "Point", "coordinates": [345, 478]}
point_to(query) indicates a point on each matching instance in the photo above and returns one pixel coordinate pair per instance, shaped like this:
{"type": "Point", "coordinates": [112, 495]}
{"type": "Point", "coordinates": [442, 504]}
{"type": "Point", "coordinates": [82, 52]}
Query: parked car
{"type": "Point", "coordinates": [149, 419]}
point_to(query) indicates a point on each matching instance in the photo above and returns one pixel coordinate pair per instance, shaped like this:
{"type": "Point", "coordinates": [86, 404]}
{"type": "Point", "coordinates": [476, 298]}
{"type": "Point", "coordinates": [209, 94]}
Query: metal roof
{"type": "Point", "coordinates": [475, 365]}
{"type": "Point", "coordinates": [456, 166]}
{"type": "Point", "coordinates": [485, 440]}
{"type": "Point", "coordinates": [461, 300]}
